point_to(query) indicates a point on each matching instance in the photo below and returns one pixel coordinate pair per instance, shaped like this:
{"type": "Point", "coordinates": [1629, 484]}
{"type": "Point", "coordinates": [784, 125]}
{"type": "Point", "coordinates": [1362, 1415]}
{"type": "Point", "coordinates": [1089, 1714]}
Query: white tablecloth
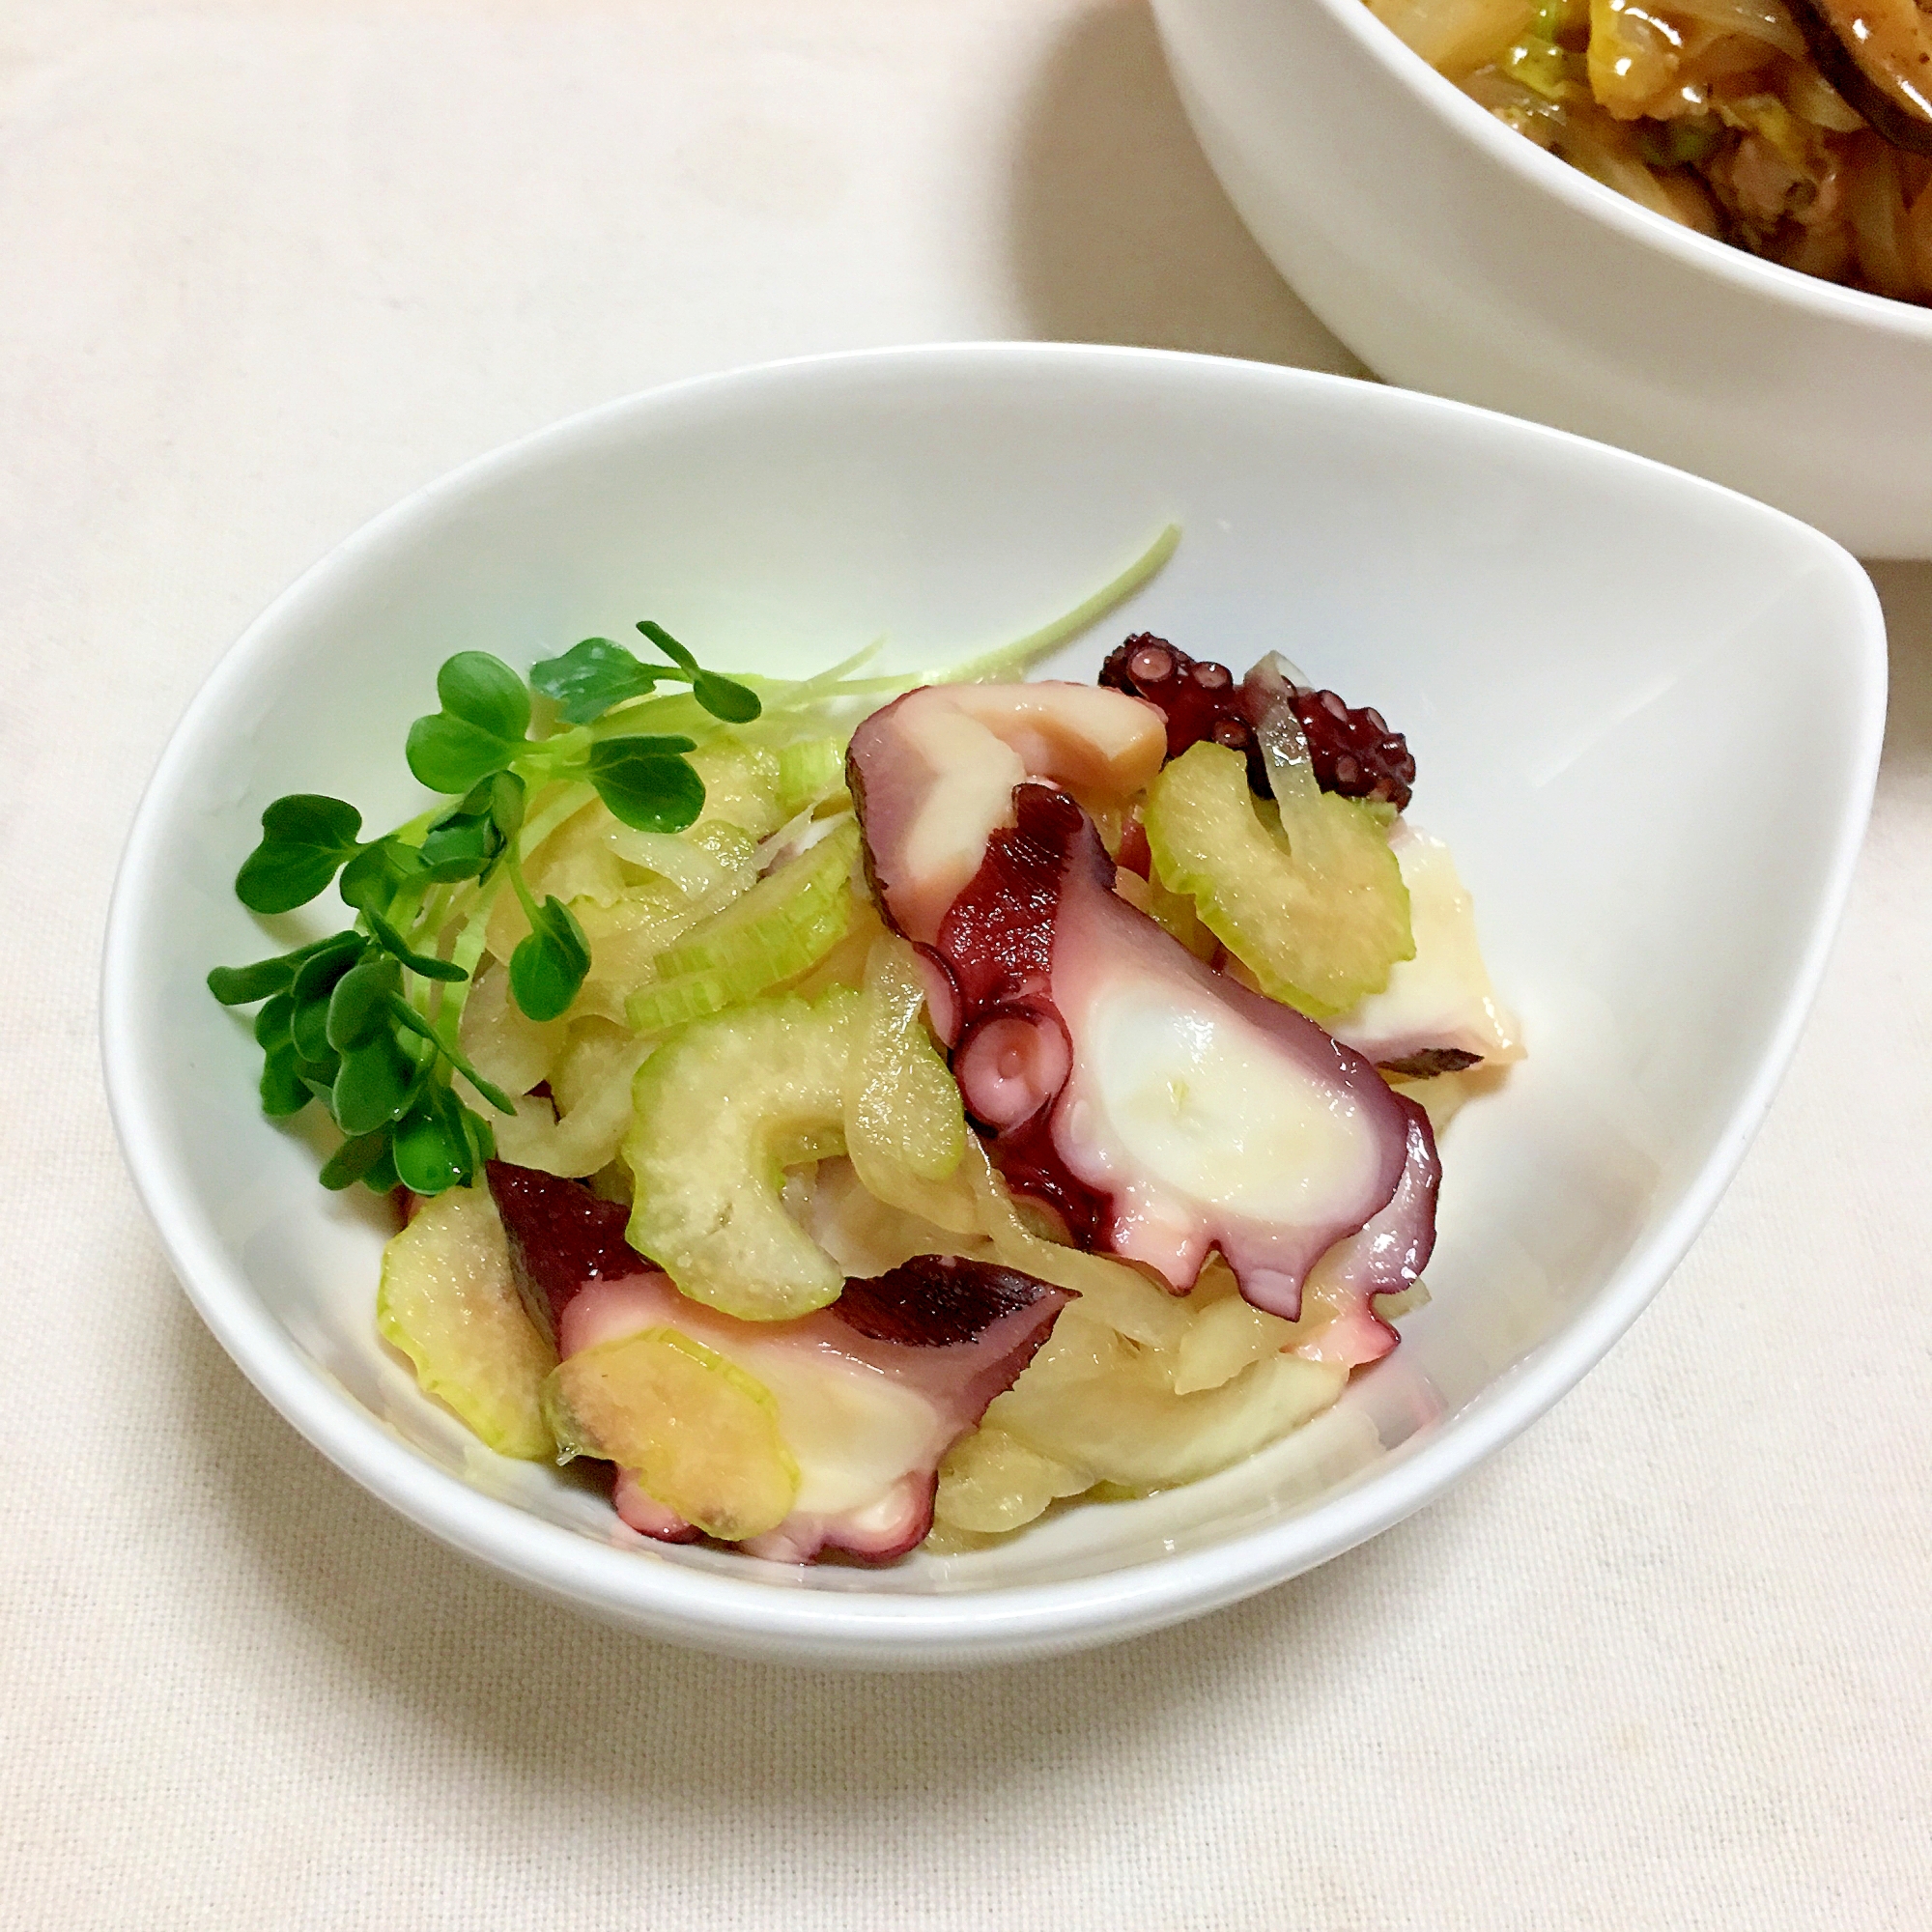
{"type": "Point", "coordinates": [264, 264]}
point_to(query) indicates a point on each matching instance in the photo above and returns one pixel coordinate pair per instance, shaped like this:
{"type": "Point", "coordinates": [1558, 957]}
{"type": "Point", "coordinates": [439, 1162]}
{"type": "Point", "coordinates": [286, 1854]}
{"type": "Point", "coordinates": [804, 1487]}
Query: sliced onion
{"type": "Point", "coordinates": [1766, 20]}
{"type": "Point", "coordinates": [1883, 240]}
{"type": "Point", "coordinates": [1455, 36]}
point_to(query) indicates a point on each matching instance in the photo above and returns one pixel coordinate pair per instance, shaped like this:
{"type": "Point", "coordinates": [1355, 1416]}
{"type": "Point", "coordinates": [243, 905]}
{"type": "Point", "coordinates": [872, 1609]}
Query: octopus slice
{"type": "Point", "coordinates": [561, 1236]}
{"type": "Point", "coordinates": [1158, 1107]}
{"type": "Point", "coordinates": [933, 775]}
{"type": "Point", "coordinates": [871, 1391]}
{"type": "Point", "coordinates": [1386, 1257]}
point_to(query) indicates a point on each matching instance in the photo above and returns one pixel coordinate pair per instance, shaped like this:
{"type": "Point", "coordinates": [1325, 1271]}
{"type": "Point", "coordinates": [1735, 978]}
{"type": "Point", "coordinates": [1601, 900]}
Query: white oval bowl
{"type": "Point", "coordinates": [1654, 758]}
{"type": "Point", "coordinates": [1453, 255]}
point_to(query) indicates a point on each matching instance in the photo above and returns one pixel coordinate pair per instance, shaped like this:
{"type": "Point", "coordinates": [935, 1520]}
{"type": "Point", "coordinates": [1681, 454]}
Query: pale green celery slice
{"type": "Point", "coordinates": [699, 1433]}
{"type": "Point", "coordinates": [741, 784]}
{"type": "Point", "coordinates": [720, 1109]}
{"type": "Point", "coordinates": [809, 770]}
{"type": "Point", "coordinates": [761, 925]}
{"type": "Point", "coordinates": [448, 1300]}
{"type": "Point", "coordinates": [669, 1002]}
{"type": "Point", "coordinates": [1318, 913]}
{"type": "Point", "coordinates": [710, 990]}
{"type": "Point", "coordinates": [905, 1128]}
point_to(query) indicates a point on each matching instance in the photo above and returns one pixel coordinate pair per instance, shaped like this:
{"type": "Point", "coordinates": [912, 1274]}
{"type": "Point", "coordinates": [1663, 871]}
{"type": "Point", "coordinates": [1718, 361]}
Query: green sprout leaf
{"type": "Point", "coordinates": [481, 1137]}
{"type": "Point", "coordinates": [308, 1030]}
{"type": "Point", "coordinates": [486, 710]}
{"type": "Point", "coordinates": [325, 963]}
{"type": "Point", "coordinates": [306, 837]}
{"type": "Point", "coordinates": [726, 697]}
{"type": "Point", "coordinates": [447, 754]}
{"type": "Point", "coordinates": [590, 677]}
{"type": "Point", "coordinates": [646, 783]}
{"type": "Point", "coordinates": [398, 947]}
{"type": "Point", "coordinates": [432, 1148]}
{"type": "Point", "coordinates": [461, 846]}
{"type": "Point", "coordinates": [382, 1177]}
{"type": "Point", "coordinates": [373, 1087]}
{"type": "Point", "coordinates": [358, 1009]}
{"type": "Point", "coordinates": [484, 692]}
{"type": "Point", "coordinates": [318, 1077]}
{"type": "Point", "coordinates": [503, 794]}
{"type": "Point", "coordinates": [547, 969]}
{"type": "Point", "coordinates": [723, 697]}
{"type": "Point", "coordinates": [353, 1160]}
{"type": "Point", "coordinates": [667, 644]}
{"type": "Point", "coordinates": [310, 993]}
{"type": "Point", "coordinates": [243, 986]}
{"type": "Point", "coordinates": [379, 873]}
{"type": "Point", "coordinates": [469, 838]}
{"type": "Point", "coordinates": [284, 1091]}
{"type": "Point", "coordinates": [273, 1023]}
{"type": "Point", "coordinates": [406, 1015]}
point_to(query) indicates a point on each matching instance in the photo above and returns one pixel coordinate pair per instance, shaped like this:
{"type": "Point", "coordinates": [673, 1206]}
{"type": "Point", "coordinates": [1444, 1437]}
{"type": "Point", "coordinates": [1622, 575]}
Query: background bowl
{"type": "Point", "coordinates": [1646, 713]}
{"type": "Point", "coordinates": [1453, 255]}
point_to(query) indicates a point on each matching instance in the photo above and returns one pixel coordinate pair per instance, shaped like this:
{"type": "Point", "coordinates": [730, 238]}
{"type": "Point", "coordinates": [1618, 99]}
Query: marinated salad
{"type": "Point", "coordinates": [857, 1111]}
{"type": "Point", "coordinates": [1799, 129]}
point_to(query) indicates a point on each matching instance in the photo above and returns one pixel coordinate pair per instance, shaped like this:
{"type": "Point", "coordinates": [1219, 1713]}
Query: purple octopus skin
{"type": "Point", "coordinates": [1385, 1257]}
{"type": "Point", "coordinates": [1041, 938]}
{"type": "Point", "coordinates": [1354, 751]}
{"type": "Point", "coordinates": [560, 1236]}
{"type": "Point", "coordinates": [932, 775]}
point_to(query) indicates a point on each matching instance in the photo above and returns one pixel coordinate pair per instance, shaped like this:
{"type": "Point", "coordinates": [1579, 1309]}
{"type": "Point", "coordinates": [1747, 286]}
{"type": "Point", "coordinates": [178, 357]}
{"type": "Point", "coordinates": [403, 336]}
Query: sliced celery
{"type": "Point", "coordinates": [813, 769]}
{"type": "Point", "coordinates": [741, 784]}
{"type": "Point", "coordinates": [783, 927]}
{"type": "Point", "coordinates": [1318, 912]}
{"type": "Point", "coordinates": [905, 1128]}
{"type": "Point", "coordinates": [699, 1433]}
{"type": "Point", "coordinates": [763, 923]}
{"type": "Point", "coordinates": [711, 990]}
{"type": "Point", "coordinates": [720, 1108]}
{"type": "Point", "coordinates": [448, 1300]}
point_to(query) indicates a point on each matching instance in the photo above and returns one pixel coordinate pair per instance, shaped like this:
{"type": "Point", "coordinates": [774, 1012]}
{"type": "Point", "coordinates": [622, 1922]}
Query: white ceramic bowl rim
{"type": "Point", "coordinates": [743, 1615]}
{"type": "Point", "coordinates": [1595, 201]}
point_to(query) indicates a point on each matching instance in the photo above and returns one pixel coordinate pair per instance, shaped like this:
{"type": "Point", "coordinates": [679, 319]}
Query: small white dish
{"type": "Point", "coordinates": [1654, 758]}
{"type": "Point", "coordinates": [1455, 256]}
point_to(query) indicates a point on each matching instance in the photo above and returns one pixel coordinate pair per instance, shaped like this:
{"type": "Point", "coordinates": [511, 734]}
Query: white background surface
{"type": "Point", "coordinates": [263, 267]}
